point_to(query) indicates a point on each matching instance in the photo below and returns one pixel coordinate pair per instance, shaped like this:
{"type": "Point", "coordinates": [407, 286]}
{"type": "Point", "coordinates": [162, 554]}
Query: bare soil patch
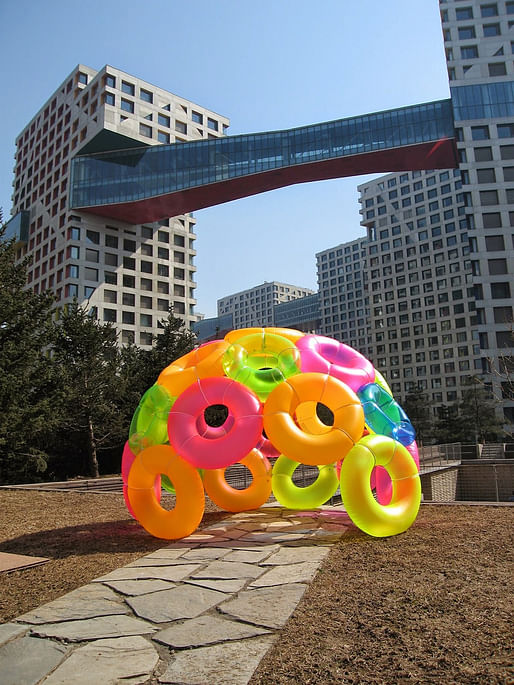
{"type": "Point", "coordinates": [433, 605]}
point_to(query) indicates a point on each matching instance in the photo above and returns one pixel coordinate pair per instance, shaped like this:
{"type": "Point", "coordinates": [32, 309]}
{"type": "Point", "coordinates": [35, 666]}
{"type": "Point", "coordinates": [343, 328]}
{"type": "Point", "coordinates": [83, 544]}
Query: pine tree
{"type": "Point", "coordinates": [27, 374]}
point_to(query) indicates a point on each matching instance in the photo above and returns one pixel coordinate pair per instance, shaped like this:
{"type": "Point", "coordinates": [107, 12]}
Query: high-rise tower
{"type": "Point", "coordinates": [127, 274]}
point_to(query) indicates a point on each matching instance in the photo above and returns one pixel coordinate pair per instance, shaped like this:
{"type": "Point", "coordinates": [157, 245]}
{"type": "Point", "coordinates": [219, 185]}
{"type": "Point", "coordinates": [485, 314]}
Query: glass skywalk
{"type": "Point", "coordinates": [139, 174]}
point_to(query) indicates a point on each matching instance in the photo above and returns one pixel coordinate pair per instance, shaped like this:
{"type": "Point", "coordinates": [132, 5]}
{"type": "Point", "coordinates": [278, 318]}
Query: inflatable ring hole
{"type": "Point", "coordinates": [324, 414]}
{"type": "Point", "coordinates": [243, 477]}
{"type": "Point", "coordinates": [167, 499]}
{"type": "Point", "coordinates": [215, 415]}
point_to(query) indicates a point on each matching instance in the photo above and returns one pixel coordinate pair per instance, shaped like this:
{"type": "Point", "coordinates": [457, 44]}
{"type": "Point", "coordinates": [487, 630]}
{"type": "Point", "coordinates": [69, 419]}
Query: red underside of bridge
{"type": "Point", "coordinates": [439, 155]}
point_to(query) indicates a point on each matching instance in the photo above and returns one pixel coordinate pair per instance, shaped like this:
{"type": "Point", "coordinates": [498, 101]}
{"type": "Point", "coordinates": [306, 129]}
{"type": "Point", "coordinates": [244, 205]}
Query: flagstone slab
{"type": "Point", "coordinates": [94, 628]}
{"type": "Point", "coordinates": [27, 660]}
{"type": "Point", "coordinates": [269, 606]}
{"type": "Point", "coordinates": [8, 631]}
{"type": "Point", "coordinates": [184, 601]}
{"type": "Point", "coordinates": [230, 663]}
{"type": "Point", "coordinates": [206, 630]}
{"type": "Point", "coordinates": [295, 555]}
{"type": "Point", "coordinates": [302, 572]}
{"type": "Point", "coordinates": [206, 553]}
{"type": "Point", "coordinates": [247, 556]}
{"type": "Point", "coordinates": [166, 553]}
{"type": "Point", "coordinates": [266, 538]}
{"type": "Point", "coordinates": [226, 569]}
{"type": "Point", "coordinates": [109, 662]}
{"type": "Point", "coordinates": [171, 573]}
{"type": "Point", "coordinates": [89, 601]}
{"type": "Point", "coordinates": [139, 587]}
{"type": "Point", "coordinates": [229, 586]}
{"type": "Point", "coordinates": [147, 561]}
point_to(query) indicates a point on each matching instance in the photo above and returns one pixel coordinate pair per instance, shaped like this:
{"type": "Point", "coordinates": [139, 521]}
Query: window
{"type": "Point", "coordinates": [145, 320]}
{"type": "Point", "coordinates": [480, 132]}
{"type": "Point", "coordinates": [488, 197]}
{"type": "Point", "coordinates": [91, 274]}
{"type": "Point", "coordinates": [110, 315]}
{"type": "Point", "coordinates": [146, 302]}
{"type": "Point", "coordinates": [127, 106]}
{"type": "Point", "coordinates": [163, 137]}
{"type": "Point", "coordinates": [507, 152]}
{"type": "Point", "coordinates": [494, 243]}
{"type": "Point", "coordinates": [505, 130]}
{"type": "Point", "coordinates": [212, 124]}
{"type": "Point", "coordinates": [491, 30]}
{"type": "Point", "coordinates": [462, 13]}
{"type": "Point", "coordinates": [469, 51]}
{"type": "Point", "coordinates": [500, 291]}
{"type": "Point", "coordinates": [82, 78]}
{"type": "Point", "coordinates": [146, 267]}
{"type": "Point", "coordinates": [163, 253]}
{"type": "Point", "coordinates": [93, 237]}
{"type": "Point", "coordinates": [197, 117]}
{"type": "Point", "coordinates": [492, 220]}
{"type": "Point", "coordinates": [92, 256]}
{"type": "Point", "coordinates": [486, 175]}
{"type": "Point", "coordinates": [109, 99]}
{"type": "Point", "coordinates": [497, 69]}
{"type": "Point", "coordinates": [127, 88]}
{"type": "Point", "coordinates": [129, 281]}
{"type": "Point", "coordinates": [110, 278]}
{"type": "Point", "coordinates": [497, 266]}
{"type": "Point", "coordinates": [489, 10]}
{"type": "Point", "coordinates": [129, 263]}
{"type": "Point", "coordinates": [146, 95]}
{"type": "Point", "coordinates": [502, 314]}
{"type": "Point", "coordinates": [110, 296]}
{"type": "Point", "coordinates": [111, 241]}
{"type": "Point", "coordinates": [111, 259]}
{"type": "Point", "coordinates": [128, 317]}
{"type": "Point", "coordinates": [483, 154]}
{"type": "Point", "coordinates": [145, 130]}
{"type": "Point", "coordinates": [466, 32]}
{"type": "Point", "coordinates": [110, 81]}
{"type": "Point", "coordinates": [163, 120]}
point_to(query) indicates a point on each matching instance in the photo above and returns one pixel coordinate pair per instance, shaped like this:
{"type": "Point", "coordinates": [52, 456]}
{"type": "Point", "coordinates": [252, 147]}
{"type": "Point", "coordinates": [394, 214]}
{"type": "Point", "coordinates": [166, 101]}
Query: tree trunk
{"type": "Point", "coordinates": [93, 461]}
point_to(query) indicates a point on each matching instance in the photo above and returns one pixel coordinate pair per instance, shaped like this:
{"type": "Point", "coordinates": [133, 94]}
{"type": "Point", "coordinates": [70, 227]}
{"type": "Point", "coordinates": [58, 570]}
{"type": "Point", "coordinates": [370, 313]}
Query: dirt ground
{"type": "Point", "coordinates": [434, 605]}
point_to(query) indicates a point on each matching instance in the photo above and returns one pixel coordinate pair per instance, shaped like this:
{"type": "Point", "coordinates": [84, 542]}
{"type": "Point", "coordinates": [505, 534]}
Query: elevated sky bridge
{"type": "Point", "coordinates": [149, 183]}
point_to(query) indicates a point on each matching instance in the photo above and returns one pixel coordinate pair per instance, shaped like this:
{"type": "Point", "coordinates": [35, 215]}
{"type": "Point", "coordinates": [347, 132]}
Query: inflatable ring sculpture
{"type": "Point", "coordinates": [279, 394]}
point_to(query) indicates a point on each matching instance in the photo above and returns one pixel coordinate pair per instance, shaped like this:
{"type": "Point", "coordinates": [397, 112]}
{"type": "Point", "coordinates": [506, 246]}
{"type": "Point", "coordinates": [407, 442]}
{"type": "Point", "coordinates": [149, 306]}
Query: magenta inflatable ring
{"type": "Point", "coordinates": [319, 354]}
{"type": "Point", "coordinates": [206, 447]}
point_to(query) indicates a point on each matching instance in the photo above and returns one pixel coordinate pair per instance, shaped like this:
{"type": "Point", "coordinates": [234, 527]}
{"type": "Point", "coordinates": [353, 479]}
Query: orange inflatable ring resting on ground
{"type": "Point", "coordinates": [201, 362]}
{"type": "Point", "coordinates": [185, 517]}
{"type": "Point", "coordinates": [313, 446]}
{"type": "Point", "coordinates": [370, 516]}
{"type": "Point", "coordinates": [232, 499]}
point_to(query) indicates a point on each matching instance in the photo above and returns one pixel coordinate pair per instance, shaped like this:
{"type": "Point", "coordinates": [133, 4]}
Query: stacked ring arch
{"type": "Point", "coordinates": [273, 400]}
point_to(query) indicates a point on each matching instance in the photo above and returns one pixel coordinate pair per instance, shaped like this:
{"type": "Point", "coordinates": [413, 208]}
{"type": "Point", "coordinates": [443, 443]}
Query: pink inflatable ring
{"type": "Point", "coordinates": [325, 355]}
{"type": "Point", "coordinates": [214, 448]}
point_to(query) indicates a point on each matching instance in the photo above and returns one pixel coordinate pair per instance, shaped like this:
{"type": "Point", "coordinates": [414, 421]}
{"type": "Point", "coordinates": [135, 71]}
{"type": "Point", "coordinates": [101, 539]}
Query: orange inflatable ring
{"type": "Point", "coordinates": [368, 514]}
{"type": "Point", "coordinates": [296, 439]}
{"type": "Point", "coordinates": [185, 517]}
{"type": "Point", "coordinates": [289, 333]}
{"type": "Point", "coordinates": [232, 499]}
{"type": "Point", "coordinates": [201, 362]}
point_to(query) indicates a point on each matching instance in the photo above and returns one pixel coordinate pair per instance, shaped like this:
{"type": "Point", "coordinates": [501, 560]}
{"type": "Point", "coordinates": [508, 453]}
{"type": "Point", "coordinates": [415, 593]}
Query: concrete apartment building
{"type": "Point", "coordinates": [479, 44]}
{"type": "Point", "coordinates": [126, 274]}
{"type": "Point", "coordinates": [255, 306]}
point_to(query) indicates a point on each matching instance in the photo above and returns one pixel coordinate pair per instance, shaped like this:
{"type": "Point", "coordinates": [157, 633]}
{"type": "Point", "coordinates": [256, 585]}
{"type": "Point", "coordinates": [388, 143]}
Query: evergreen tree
{"type": "Point", "coordinates": [88, 358]}
{"type": "Point", "coordinates": [174, 342]}
{"type": "Point", "coordinates": [27, 374]}
{"type": "Point", "coordinates": [418, 409]}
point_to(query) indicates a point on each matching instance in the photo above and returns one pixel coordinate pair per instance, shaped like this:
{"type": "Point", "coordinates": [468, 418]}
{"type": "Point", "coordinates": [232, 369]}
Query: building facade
{"type": "Point", "coordinates": [255, 306]}
{"type": "Point", "coordinates": [127, 274]}
{"type": "Point", "coordinates": [479, 44]}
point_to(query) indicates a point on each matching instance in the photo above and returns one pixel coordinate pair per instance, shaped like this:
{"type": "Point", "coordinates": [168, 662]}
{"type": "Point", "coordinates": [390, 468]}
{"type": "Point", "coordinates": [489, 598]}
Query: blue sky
{"type": "Point", "coordinates": [266, 65]}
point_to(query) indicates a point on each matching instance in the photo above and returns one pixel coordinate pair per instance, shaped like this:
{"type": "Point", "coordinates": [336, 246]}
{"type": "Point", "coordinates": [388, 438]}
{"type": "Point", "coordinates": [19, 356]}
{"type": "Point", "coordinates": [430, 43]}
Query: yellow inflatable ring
{"type": "Point", "coordinates": [232, 499]}
{"type": "Point", "coordinates": [289, 333]}
{"type": "Point", "coordinates": [185, 517]}
{"type": "Point", "coordinates": [310, 497]}
{"type": "Point", "coordinates": [301, 442]}
{"type": "Point", "coordinates": [201, 362]}
{"type": "Point", "coordinates": [370, 516]}
{"type": "Point", "coordinates": [261, 362]}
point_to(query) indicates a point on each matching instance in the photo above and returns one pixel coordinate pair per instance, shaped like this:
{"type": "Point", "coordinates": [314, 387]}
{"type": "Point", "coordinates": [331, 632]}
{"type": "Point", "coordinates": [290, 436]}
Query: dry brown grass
{"type": "Point", "coordinates": [433, 605]}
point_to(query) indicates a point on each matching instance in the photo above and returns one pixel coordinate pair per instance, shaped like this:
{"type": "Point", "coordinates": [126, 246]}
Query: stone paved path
{"type": "Point", "coordinates": [204, 609]}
